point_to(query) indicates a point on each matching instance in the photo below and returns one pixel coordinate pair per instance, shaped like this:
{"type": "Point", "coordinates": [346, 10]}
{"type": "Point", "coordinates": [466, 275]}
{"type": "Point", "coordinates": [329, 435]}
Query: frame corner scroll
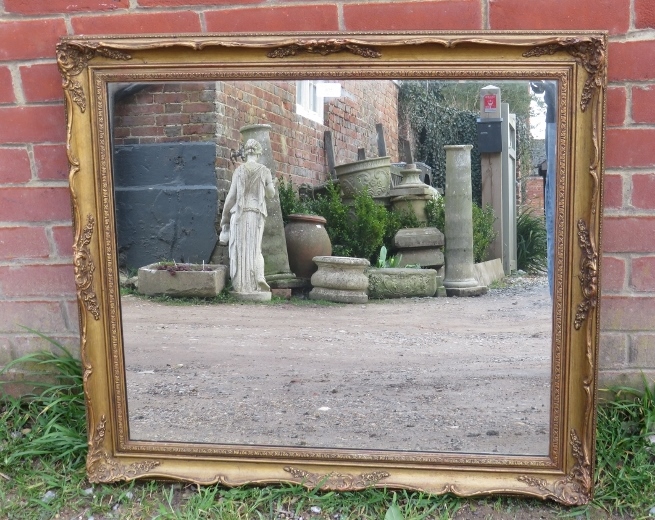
{"type": "Point", "coordinates": [575, 488]}
{"type": "Point", "coordinates": [72, 59]}
{"type": "Point", "coordinates": [591, 52]}
{"type": "Point", "coordinates": [101, 467]}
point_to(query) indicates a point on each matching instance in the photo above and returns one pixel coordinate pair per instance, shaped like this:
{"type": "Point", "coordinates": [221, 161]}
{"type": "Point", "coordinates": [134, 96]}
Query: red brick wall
{"type": "Point", "coordinates": [534, 193]}
{"type": "Point", "coordinates": [182, 112]}
{"type": "Point", "coordinates": [36, 276]}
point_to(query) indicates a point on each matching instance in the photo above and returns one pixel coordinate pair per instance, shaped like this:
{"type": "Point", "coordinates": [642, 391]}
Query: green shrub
{"type": "Point", "coordinates": [531, 242]}
{"type": "Point", "coordinates": [288, 199]}
{"type": "Point", "coordinates": [483, 231]}
{"type": "Point", "coordinates": [483, 225]}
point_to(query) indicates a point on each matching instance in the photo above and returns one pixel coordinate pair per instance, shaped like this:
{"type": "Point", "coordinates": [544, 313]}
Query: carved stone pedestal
{"type": "Point", "coordinates": [340, 279]}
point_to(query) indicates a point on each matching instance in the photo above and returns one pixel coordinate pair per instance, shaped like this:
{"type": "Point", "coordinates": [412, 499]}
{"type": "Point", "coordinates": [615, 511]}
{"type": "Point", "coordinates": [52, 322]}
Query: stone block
{"type": "Point", "coordinates": [195, 282]}
{"type": "Point", "coordinates": [490, 271]}
{"type": "Point", "coordinates": [166, 202]}
{"type": "Point", "coordinates": [401, 283]}
{"type": "Point", "coordinates": [418, 237]}
{"type": "Point", "coordinates": [282, 293]}
{"type": "Point", "coordinates": [425, 257]}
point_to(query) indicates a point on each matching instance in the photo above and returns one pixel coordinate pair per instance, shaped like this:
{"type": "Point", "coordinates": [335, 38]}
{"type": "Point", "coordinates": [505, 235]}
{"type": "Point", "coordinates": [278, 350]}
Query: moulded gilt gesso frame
{"type": "Point", "coordinates": [576, 60]}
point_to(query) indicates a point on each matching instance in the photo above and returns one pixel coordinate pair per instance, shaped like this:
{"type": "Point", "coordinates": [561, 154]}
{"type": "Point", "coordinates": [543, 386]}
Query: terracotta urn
{"type": "Point", "coordinates": [306, 238]}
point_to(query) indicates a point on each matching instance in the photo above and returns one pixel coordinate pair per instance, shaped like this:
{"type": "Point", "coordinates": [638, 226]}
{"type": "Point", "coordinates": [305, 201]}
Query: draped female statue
{"type": "Point", "coordinates": [242, 224]}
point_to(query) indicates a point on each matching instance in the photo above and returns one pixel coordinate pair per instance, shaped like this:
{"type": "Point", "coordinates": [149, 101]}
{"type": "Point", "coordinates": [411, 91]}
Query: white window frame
{"type": "Point", "coordinates": [308, 103]}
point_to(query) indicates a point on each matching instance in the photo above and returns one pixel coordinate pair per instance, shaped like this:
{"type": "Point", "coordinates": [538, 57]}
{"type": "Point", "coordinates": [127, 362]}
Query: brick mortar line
{"type": "Point", "coordinates": [649, 295]}
{"type": "Point", "coordinates": [36, 183]}
{"type": "Point", "coordinates": [630, 171]}
{"type": "Point", "coordinates": [631, 83]}
{"type": "Point", "coordinates": [628, 212]}
{"type": "Point", "coordinates": [17, 84]}
{"type": "Point", "coordinates": [633, 36]}
{"type": "Point", "coordinates": [56, 103]}
{"type": "Point", "coordinates": [32, 262]}
{"type": "Point", "coordinates": [71, 334]}
{"type": "Point", "coordinates": [631, 22]}
{"type": "Point", "coordinates": [39, 300]}
{"type": "Point", "coordinates": [50, 223]}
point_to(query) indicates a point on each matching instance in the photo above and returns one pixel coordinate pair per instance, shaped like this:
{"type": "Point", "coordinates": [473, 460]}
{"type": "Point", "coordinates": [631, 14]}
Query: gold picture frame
{"type": "Point", "coordinates": [576, 60]}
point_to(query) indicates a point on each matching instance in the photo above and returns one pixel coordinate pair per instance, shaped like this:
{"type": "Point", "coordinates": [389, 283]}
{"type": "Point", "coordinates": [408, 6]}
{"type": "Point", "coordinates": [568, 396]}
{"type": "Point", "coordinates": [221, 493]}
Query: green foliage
{"type": "Point", "coordinates": [625, 468]}
{"type": "Point", "coordinates": [435, 212]}
{"type": "Point", "coordinates": [531, 242]}
{"type": "Point", "coordinates": [483, 225]}
{"type": "Point", "coordinates": [356, 231]}
{"type": "Point", "coordinates": [366, 231]}
{"type": "Point", "coordinates": [288, 199]}
{"type": "Point", "coordinates": [43, 434]}
{"type": "Point", "coordinates": [384, 261]}
{"type": "Point", "coordinates": [483, 231]}
{"type": "Point", "coordinates": [397, 220]}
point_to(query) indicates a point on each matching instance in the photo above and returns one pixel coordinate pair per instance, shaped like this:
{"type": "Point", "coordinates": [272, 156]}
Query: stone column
{"type": "Point", "coordinates": [274, 245]}
{"type": "Point", "coordinates": [459, 280]}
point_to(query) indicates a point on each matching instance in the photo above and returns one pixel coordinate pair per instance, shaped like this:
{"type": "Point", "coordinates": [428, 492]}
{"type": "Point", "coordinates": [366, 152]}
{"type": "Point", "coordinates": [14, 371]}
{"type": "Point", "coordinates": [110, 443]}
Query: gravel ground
{"type": "Point", "coordinates": [430, 374]}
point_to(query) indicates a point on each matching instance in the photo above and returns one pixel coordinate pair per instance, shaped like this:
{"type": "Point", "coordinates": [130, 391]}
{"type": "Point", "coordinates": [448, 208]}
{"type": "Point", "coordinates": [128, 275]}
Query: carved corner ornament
{"type": "Point", "coordinates": [591, 53]}
{"type": "Point", "coordinates": [588, 275]}
{"type": "Point", "coordinates": [337, 481]}
{"type": "Point", "coordinates": [324, 47]}
{"type": "Point", "coordinates": [84, 268]}
{"type": "Point", "coordinates": [575, 488]}
{"type": "Point", "coordinates": [73, 59]}
{"type": "Point", "coordinates": [101, 467]}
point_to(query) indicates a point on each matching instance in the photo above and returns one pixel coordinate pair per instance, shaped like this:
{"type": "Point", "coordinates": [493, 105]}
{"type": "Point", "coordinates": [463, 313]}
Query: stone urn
{"type": "Point", "coordinates": [340, 279]}
{"type": "Point", "coordinates": [370, 175]}
{"type": "Point", "coordinates": [306, 238]}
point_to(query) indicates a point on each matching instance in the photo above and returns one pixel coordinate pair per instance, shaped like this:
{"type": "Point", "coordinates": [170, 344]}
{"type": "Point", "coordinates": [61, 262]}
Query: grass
{"type": "Point", "coordinates": [223, 298]}
{"type": "Point", "coordinates": [42, 472]}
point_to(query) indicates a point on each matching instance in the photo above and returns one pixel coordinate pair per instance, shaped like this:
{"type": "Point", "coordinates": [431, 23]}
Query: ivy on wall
{"type": "Point", "coordinates": [432, 125]}
{"type": "Point", "coordinates": [435, 113]}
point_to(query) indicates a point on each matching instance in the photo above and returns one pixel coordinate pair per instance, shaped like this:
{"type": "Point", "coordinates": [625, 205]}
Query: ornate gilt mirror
{"type": "Point", "coordinates": [254, 393]}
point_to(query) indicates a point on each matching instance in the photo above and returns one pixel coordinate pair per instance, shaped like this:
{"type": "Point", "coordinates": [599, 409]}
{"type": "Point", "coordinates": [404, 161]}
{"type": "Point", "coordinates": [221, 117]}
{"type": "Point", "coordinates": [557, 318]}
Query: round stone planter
{"type": "Point", "coordinates": [370, 175]}
{"type": "Point", "coordinates": [306, 238]}
{"type": "Point", "coordinates": [182, 280]}
{"type": "Point", "coordinates": [340, 279]}
{"type": "Point", "coordinates": [405, 282]}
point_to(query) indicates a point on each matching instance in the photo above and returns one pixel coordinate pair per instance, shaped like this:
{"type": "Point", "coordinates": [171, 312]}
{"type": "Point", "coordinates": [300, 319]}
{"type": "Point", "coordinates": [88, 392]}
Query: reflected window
{"type": "Point", "coordinates": [309, 101]}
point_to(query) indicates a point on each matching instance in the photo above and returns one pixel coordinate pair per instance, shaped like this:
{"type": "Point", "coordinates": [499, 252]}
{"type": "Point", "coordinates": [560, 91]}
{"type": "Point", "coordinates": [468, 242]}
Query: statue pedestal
{"type": "Point", "coordinates": [260, 296]}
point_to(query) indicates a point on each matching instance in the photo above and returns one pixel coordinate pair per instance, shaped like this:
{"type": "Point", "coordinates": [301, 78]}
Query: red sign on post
{"type": "Point", "coordinates": [489, 102]}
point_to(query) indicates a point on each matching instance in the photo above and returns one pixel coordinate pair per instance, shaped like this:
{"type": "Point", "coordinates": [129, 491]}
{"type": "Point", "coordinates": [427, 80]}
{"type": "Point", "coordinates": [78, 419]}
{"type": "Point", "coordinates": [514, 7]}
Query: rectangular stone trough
{"type": "Point", "coordinates": [182, 280]}
{"type": "Point", "coordinates": [392, 282]}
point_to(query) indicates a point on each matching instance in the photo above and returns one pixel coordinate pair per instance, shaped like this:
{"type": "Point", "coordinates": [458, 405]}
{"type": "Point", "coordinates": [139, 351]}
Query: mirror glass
{"type": "Point", "coordinates": [440, 374]}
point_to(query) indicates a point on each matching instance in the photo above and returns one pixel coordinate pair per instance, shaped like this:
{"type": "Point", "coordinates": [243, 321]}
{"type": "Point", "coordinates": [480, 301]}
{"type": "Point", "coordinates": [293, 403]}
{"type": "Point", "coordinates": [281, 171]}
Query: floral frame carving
{"type": "Point", "coordinates": [576, 59]}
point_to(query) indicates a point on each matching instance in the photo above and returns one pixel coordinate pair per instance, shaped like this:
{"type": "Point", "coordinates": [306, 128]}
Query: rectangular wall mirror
{"type": "Point", "coordinates": [443, 394]}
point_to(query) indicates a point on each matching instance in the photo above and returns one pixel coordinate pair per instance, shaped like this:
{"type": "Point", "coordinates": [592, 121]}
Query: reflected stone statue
{"type": "Point", "coordinates": [242, 225]}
